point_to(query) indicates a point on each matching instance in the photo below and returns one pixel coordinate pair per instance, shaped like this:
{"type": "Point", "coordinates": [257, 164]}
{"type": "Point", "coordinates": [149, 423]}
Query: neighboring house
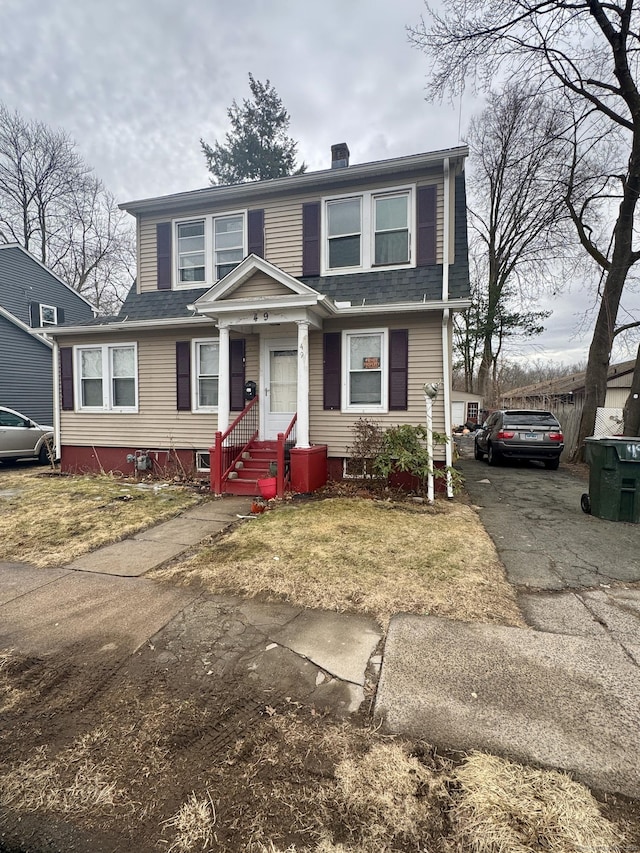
{"type": "Point", "coordinates": [332, 291]}
{"type": "Point", "coordinates": [570, 390]}
{"type": "Point", "coordinates": [32, 300]}
{"type": "Point", "coordinates": [465, 408]}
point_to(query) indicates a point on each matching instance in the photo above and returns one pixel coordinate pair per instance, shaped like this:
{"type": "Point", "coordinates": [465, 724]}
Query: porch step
{"type": "Point", "coordinates": [242, 487]}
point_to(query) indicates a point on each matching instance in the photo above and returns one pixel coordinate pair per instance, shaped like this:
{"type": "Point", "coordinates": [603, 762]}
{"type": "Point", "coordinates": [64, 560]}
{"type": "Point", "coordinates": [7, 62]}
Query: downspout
{"type": "Point", "coordinates": [446, 363]}
{"type": "Point", "coordinates": [55, 366]}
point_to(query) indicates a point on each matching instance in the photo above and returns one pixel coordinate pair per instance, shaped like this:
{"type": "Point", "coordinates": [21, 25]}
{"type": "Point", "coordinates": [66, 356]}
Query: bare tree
{"type": "Point", "coordinates": [515, 211]}
{"type": "Point", "coordinates": [586, 49]}
{"type": "Point", "coordinates": [53, 205]}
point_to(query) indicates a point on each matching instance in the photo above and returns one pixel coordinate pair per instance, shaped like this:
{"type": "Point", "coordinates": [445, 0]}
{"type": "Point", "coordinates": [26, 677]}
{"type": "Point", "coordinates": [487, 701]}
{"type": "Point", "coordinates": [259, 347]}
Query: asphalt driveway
{"type": "Point", "coordinates": [544, 539]}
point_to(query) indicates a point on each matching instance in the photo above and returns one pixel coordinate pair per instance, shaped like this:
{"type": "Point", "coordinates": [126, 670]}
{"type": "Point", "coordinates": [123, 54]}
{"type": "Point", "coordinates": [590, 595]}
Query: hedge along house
{"type": "Point", "coordinates": [267, 318]}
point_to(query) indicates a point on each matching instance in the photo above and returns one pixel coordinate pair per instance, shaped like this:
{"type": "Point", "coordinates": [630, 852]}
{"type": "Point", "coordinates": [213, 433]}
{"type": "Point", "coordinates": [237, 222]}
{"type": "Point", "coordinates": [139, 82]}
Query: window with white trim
{"type": "Point", "coordinates": [107, 378]}
{"type": "Point", "coordinates": [205, 360]}
{"type": "Point", "coordinates": [48, 315]}
{"type": "Point", "coordinates": [191, 252]}
{"type": "Point", "coordinates": [370, 230]}
{"type": "Point", "coordinates": [365, 371]}
{"type": "Point", "coordinates": [208, 248]}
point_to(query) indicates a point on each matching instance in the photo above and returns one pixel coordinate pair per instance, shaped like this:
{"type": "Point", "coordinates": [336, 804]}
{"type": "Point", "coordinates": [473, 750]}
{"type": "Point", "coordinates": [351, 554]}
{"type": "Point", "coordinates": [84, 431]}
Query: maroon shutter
{"type": "Point", "coordinates": [236, 374]}
{"type": "Point", "coordinates": [163, 253]}
{"type": "Point", "coordinates": [398, 369]}
{"type": "Point", "coordinates": [426, 216]}
{"type": "Point", "coordinates": [311, 238]}
{"type": "Point", "coordinates": [332, 344]}
{"type": "Point", "coordinates": [255, 232]}
{"type": "Point", "coordinates": [183, 376]}
{"type": "Point", "coordinates": [66, 378]}
{"type": "Point", "coordinates": [34, 314]}
{"type": "Point", "coordinates": [60, 316]}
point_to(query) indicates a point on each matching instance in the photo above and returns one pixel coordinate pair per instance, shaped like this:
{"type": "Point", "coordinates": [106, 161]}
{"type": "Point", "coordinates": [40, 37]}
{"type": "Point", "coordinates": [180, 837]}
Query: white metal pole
{"type": "Point", "coordinates": [429, 403]}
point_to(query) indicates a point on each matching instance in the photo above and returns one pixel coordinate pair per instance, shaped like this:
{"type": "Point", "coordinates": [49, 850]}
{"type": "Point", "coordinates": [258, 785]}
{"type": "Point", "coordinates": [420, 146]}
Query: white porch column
{"type": "Point", "coordinates": [302, 430]}
{"type": "Point", "coordinates": [223, 378]}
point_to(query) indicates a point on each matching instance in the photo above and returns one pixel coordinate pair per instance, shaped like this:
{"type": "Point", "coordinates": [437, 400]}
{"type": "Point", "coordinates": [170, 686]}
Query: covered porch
{"type": "Point", "coordinates": [269, 439]}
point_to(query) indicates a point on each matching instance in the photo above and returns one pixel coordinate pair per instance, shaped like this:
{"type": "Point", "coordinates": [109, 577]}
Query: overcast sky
{"type": "Point", "coordinates": [137, 83]}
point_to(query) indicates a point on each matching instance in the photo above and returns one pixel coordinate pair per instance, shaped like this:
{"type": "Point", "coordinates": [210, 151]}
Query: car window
{"type": "Point", "coordinates": [8, 419]}
{"type": "Point", "coordinates": [530, 419]}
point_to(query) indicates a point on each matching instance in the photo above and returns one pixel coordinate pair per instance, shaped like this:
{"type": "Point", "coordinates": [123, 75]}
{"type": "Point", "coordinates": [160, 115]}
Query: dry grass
{"type": "Point", "coordinates": [10, 695]}
{"type": "Point", "coordinates": [192, 825]}
{"type": "Point", "coordinates": [51, 520]}
{"type": "Point", "coordinates": [362, 556]}
{"type": "Point", "coordinates": [502, 807]}
{"type": "Point", "coordinates": [71, 783]}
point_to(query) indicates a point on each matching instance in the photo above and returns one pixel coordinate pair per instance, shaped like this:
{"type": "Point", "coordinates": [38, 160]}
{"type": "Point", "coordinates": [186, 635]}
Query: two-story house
{"type": "Point", "coordinates": [289, 307]}
{"type": "Point", "coordinates": [32, 300]}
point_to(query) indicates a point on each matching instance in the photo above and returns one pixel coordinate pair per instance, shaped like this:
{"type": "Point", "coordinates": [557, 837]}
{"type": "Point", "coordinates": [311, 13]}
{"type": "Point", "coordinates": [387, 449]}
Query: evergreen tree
{"type": "Point", "coordinates": [257, 147]}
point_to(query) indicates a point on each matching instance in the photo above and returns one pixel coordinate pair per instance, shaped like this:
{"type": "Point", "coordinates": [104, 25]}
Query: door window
{"type": "Point", "coordinates": [283, 367]}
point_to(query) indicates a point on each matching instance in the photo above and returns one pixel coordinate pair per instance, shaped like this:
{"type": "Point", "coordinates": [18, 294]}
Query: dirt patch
{"type": "Point", "coordinates": [168, 754]}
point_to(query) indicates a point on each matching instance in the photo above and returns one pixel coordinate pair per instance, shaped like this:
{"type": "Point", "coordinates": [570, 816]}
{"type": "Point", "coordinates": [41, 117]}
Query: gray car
{"type": "Point", "coordinates": [22, 438]}
{"type": "Point", "coordinates": [520, 434]}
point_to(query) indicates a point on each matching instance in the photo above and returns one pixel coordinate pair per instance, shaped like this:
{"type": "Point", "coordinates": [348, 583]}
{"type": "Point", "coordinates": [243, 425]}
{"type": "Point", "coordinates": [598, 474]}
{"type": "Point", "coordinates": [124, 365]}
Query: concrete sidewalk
{"type": "Point", "coordinates": [567, 702]}
{"type": "Point", "coordinates": [149, 549]}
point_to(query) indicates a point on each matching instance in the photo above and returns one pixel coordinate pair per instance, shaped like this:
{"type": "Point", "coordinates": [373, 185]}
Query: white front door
{"type": "Point", "coordinates": [280, 384]}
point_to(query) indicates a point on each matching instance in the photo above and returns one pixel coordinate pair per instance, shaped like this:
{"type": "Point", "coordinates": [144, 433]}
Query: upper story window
{"type": "Point", "coordinates": [208, 248]}
{"type": "Point", "coordinates": [48, 315]}
{"type": "Point", "coordinates": [191, 252]}
{"type": "Point", "coordinates": [368, 230]}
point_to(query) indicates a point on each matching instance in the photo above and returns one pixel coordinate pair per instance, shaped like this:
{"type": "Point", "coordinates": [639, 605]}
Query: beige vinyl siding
{"type": "Point", "coordinates": [157, 425]}
{"type": "Point", "coordinates": [259, 285]}
{"type": "Point", "coordinates": [616, 398]}
{"type": "Point", "coordinates": [425, 364]}
{"type": "Point", "coordinates": [282, 224]}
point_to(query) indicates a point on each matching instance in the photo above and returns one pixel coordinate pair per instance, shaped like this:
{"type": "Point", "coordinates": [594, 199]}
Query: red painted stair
{"type": "Point", "coordinates": [255, 465]}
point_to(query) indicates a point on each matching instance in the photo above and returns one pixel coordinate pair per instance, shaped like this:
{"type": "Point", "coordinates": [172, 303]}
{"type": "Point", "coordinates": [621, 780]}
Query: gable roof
{"type": "Point", "coordinates": [324, 179]}
{"type": "Point", "coordinates": [23, 326]}
{"type": "Point", "coordinates": [12, 269]}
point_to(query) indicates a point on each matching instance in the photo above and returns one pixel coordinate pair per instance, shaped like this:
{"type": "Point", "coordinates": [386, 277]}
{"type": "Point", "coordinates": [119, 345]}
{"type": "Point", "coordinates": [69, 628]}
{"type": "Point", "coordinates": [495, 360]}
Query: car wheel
{"type": "Point", "coordinates": [44, 457]}
{"type": "Point", "coordinates": [492, 457]}
{"type": "Point", "coordinates": [477, 453]}
{"type": "Point", "coordinates": [552, 464]}
{"type": "Point", "coordinates": [585, 503]}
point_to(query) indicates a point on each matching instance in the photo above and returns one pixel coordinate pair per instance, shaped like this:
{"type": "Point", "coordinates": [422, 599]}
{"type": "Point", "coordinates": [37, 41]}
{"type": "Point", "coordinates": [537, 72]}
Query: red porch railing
{"type": "Point", "coordinates": [230, 445]}
{"type": "Point", "coordinates": [286, 440]}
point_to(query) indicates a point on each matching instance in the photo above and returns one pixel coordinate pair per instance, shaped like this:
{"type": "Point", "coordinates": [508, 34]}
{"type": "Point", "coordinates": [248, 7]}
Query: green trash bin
{"type": "Point", "coordinates": [614, 478]}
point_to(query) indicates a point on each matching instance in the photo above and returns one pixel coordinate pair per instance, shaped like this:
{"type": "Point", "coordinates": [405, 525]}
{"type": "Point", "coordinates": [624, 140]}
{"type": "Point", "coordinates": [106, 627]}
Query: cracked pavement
{"type": "Point", "coordinates": [575, 574]}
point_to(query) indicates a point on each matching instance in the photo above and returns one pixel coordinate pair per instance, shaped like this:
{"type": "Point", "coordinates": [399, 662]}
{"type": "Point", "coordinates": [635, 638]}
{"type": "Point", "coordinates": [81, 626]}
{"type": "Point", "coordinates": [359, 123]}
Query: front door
{"type": "Point", "coordinates": [280, 383]}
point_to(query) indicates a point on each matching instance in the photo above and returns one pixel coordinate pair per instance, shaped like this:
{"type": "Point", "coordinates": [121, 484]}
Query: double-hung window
{"type": "Point", "coordinates": [206, 356]}
{"type": "Point", "coordinates": [369, 230]}
{"type": "Point", "coordinates": [365, 372]}
{"type": "Point", "coordinates": [191, 252]}
{"type": "Point", "coordinates": [391, 229]}
{"type": "Point", "coordinates": [228, 243]}
{"type": "Point", "coordinates": [208, 248]}
{"type": "Point", "coordinates": [344, 233]}
{"type": "Point", "coordinates": [107, 378]}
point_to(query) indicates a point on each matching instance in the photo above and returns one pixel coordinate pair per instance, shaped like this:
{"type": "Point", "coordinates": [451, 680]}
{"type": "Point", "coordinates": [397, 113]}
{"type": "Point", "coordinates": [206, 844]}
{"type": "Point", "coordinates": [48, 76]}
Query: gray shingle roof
{"type": "Point", "coordinates": [376, 287]}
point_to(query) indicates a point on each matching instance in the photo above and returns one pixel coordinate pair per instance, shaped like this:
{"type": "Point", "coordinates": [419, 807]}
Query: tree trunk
{"type": "Point", "coordinates": [631, 411]}
{"type": "Point", "coordinates": [603, 334]}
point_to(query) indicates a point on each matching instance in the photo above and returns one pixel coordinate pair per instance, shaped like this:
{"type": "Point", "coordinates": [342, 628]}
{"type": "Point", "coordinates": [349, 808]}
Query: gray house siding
{"type": "Point", "coordinates": [26, 381]}
{"type": "Point", "coordinates": [23, 282]}
{"type": "Point", "coordinates": [25, 373]}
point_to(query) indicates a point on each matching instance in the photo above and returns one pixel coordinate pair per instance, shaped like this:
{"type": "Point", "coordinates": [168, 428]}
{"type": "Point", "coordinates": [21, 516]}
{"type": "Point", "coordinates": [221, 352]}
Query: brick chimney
{"type": "Point", "coordinates": [340, 156]}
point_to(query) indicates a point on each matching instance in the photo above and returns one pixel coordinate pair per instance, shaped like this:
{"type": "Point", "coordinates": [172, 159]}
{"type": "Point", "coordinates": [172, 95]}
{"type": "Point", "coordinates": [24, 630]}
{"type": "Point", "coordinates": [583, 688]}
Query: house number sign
{"type": "Point", "coordinates": [265, 316]}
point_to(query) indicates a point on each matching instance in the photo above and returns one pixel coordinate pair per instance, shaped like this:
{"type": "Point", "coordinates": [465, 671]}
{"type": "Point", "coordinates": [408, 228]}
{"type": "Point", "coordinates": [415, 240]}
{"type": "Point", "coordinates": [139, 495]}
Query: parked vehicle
{"type": "Point", "coordinates": [22, 438]}
{"type": "Point", "coordinates": [520, 434]}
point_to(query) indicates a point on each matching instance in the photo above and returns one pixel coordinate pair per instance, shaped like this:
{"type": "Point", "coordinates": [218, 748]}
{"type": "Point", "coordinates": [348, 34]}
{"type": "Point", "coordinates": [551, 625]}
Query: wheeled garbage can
{"type": "Point", "coordinates": [614, 478]}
